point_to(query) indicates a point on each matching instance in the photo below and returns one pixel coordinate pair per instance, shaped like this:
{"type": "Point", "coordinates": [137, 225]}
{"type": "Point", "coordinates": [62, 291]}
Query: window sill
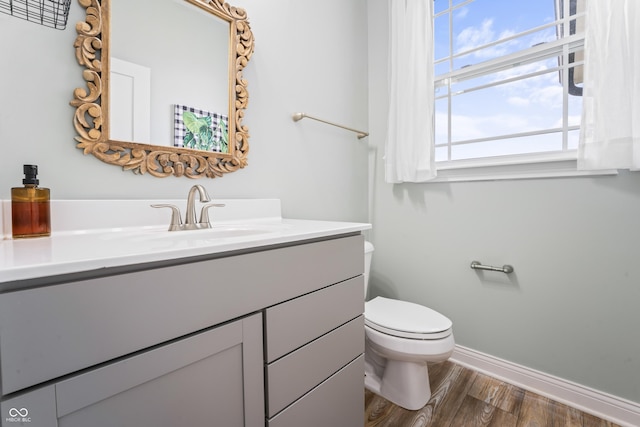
{"type": "Point", "coordinates": [516, 167]}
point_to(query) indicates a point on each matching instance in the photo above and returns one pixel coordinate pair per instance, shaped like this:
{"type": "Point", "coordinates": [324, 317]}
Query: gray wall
{"type": "Point", "coordinates": [570, 309]}
{"type": "Point", "coordinates": [308, 58]}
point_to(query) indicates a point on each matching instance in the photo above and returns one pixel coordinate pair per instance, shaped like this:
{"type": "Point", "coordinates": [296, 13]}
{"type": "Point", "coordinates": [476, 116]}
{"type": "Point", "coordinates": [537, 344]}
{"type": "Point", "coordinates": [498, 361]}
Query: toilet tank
{"type": "Point", "coordinates": [368, 254]}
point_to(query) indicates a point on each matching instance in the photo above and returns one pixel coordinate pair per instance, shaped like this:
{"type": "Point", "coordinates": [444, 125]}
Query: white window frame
{"type": "Point", "coordinates": [538, 165]}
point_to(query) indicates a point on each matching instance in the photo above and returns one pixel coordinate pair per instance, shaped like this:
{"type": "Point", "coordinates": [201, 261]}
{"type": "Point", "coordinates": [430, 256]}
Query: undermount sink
{"type": "Point", "coordinates": [216, 232]}
{"type": "Point", "coordinates": [226, 231]}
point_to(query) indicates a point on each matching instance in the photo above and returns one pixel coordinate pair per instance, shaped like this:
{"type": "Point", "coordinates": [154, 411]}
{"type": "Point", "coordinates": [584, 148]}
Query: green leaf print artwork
{"type": "Point", "coordinates": [224, 139]}
{"type": "Point", "coordinates": [199, 134]}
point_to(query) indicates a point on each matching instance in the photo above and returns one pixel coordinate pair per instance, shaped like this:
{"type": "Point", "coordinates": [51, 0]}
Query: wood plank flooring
{"type": "Point", "coordinates": [461, 397]}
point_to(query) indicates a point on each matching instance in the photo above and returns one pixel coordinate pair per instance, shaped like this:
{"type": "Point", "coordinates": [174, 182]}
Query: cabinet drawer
{"type": "Point", "coordinates": [312, 364]}
{"type": "Point", "coordinates": [336, 402]}
{"type": "Point", "coordinates": [292, 324]}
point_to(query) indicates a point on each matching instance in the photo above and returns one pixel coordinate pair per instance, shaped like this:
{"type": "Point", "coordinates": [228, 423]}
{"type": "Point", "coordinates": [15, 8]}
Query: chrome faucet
{"type": "Point", "coordinates": [190, 216]}
{"type": "Point", "coordinates": [190, 221]}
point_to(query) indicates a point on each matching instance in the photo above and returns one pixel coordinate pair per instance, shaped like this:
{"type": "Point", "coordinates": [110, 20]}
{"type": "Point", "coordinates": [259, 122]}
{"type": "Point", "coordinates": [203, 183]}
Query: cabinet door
{"type": "Point", "coordinates": [209, 379]}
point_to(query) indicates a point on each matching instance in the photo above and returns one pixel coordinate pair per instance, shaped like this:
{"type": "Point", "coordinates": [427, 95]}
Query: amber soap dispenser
{"type": "Point", "coordinates": [30, 212]}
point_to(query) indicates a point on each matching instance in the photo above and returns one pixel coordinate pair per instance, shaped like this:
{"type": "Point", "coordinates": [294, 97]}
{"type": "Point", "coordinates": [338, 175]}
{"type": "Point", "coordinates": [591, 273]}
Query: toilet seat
{"type": "Point", "coordinates": [405, 319]}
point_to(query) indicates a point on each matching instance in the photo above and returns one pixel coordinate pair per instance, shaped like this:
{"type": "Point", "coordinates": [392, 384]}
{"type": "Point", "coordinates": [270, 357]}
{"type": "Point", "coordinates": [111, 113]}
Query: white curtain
{"type": "Point", "coordinates": [409, 149]}
{"type": "Point", "coordinates": [610, 129]}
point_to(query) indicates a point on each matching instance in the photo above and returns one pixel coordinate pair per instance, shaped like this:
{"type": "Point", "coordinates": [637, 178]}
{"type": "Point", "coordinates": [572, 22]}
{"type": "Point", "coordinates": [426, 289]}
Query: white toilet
{"type": "Point", "coordinates": [400, 338]}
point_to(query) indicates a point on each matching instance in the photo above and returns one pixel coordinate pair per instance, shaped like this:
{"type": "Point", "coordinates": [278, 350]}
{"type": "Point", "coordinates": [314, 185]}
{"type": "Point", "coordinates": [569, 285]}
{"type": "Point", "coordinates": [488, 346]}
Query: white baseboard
{"type": "Point", "coordinates": [602, 405]}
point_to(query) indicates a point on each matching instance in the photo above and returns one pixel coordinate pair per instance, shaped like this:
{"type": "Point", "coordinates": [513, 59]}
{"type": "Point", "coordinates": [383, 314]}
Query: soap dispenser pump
{"type": "Point", "coordinates": [30, 211]}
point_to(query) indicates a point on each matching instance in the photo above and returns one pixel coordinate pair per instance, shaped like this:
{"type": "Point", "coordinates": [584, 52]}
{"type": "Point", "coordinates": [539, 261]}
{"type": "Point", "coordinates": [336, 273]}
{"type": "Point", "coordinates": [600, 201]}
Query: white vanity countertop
{"type": "Point", "coordinates": [123, 240]}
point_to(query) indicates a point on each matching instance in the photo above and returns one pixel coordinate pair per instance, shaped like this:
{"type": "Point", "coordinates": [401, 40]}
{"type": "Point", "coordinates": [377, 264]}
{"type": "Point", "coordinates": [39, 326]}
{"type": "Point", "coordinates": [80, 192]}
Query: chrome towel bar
{"type": "Point", "coordinates": [476, 265]}
{"type": "Point", "coordinates": [299, 116]}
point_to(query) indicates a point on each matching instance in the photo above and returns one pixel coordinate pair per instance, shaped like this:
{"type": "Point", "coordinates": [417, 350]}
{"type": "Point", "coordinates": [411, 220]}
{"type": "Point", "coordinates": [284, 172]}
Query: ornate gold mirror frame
{"type": "Point", "coordinates": [91, 118]}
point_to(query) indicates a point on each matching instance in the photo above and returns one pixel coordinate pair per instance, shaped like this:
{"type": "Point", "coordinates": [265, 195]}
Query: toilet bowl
{"type": "Point", "coordinates": [400, 338]}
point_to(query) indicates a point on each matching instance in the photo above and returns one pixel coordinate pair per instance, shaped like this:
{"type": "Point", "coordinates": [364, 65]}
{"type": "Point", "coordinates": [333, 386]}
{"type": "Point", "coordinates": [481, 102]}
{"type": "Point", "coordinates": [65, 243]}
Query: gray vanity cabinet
{"type": "Point", "coordinates": [272, 335]}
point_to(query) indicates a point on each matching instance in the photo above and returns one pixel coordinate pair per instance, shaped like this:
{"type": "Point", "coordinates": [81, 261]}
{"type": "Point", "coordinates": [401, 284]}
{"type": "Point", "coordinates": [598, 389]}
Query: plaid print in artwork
{"type": "Point", "coordinates": [200, 129]}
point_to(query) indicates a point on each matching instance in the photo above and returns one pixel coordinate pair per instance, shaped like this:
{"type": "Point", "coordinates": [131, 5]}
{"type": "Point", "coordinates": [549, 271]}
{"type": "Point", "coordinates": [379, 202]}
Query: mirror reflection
{"type": "Point", "coordinates": [166, 94]}
{"type": "Point", "coordinates": [157, 65]}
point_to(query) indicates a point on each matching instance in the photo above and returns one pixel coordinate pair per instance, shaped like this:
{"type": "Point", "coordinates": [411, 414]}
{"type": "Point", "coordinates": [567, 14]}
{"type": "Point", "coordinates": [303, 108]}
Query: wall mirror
{"type": "Point", "coordinates": [165, 91]}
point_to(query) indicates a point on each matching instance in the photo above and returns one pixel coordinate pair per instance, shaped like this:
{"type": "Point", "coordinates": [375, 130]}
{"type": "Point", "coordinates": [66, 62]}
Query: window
{"type": "Point", "coordinates": [507, 80]}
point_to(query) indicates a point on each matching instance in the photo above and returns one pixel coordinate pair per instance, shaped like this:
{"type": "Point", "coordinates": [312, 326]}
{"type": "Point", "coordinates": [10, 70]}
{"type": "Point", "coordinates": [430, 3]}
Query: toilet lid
{"type": "Point", "coordinates": [406, 319]}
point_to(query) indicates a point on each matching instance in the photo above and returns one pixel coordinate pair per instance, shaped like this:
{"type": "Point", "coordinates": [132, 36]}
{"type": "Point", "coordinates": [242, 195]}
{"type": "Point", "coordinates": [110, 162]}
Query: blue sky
{"type": "Point", "coordinates": [484, 21]}
{"type": "Point", "coordinates": [525, 105]}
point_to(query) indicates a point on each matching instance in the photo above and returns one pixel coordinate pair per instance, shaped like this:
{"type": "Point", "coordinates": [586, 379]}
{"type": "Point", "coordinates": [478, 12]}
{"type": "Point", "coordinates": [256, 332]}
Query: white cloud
{"type": "Point", "coordinates": [462, 13]}
{"type": "Point", "coordinates": [522, 70]}
{"type": "Point", "coordinates": [472, 37]}
{"type": "Point", "coordinates": [475, 127]}
{"type": "Point", "coordinates": [476, 36]}
{"type": "Point", "coordinates": [541, 37]}
{"type": "Point", "coordinates": [572, 120]}
{"type": "Point", "coordinates": [543, 90]}
{"type": "Point", "coordinates": [548, 96]}
{"type": "Point", "coordinates": [519, 101]}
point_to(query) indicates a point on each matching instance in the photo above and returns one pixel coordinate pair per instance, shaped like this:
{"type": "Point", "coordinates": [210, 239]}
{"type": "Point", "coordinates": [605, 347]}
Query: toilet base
{"type": "Point", "coordinates": [403, 383]}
